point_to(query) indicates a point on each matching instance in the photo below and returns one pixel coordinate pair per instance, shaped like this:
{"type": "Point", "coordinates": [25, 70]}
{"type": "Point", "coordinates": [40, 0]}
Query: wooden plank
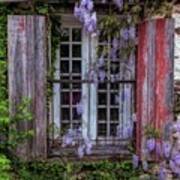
{"type": "Point", "coordinates": [154, 76]}
{"type": "Point", "coordinates": [93, 93]}
{"type": "Point", "coordinates": [4, 1]}
{"type": "Point", "coordinates": [85, 86]}
{"type": "Point", "coordinates": [27, 77]}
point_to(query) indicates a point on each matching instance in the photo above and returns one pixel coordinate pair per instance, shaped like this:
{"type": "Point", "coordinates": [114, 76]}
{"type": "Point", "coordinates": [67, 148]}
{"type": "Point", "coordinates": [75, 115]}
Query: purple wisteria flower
{"type": "Point", "coordinates": [100, 62]}
{"type": "Point", "coordinates": [79, 108]}
{"type": "Point", "coordinates": [91, 23]}
{"type": "Point", "coordinates": [162, 174]}
{"type": "Point", "coordinates": [132, 32]}
{"type": "Point", "coordinates": [145, 165]}
{"type": "Point", "coordinates": [176, 126]}
{"type": "Point", "coordinates": [176, 159]}
{"type": "Point", "coordinates": [92, 76]}
{"type": "Point", "coordinates": [88, 146]}
{"type": "Point", "coordinates": [102, 75]}
{"type": "Point", "coordinates": [135, 161]}
{"type": "Point", "coordinates": [174, 167]}
{"type": "Point", "coordinates": [166, 147]}
{"type": "Point", "coordinates": [85, 148]}
{"type": "Point", "coordinates": [113, 79]}
{"type": "Point", "coordinates": [115, 43]}
{"type": "Point", "coordinates": [150, 144]}
{"type": "Point", "coordinates": [118, 3]}
{"type": "Point", "coordinates": [84, 12]}
{"type": "Point", "coordinates": [125, 33]}
{"type": "Point", "coordinates": [68, 138]}
{"type": "Point", "coordinates": [128, 129]}
{"type": "Point", "coordinates": [158, 149]}
{"type": "Point", "coordinates": [80, 151]}
{"type": "Point", "coordinates": [113, 54]}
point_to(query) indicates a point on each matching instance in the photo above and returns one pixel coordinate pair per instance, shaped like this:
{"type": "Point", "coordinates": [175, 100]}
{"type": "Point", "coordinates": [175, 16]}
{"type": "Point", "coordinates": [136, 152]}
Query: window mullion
{"type": "Point", "coordinates": [70, 75]}
{"type": "Point", "coordinates": [56, 97]}
{"type": "Point", "coordinates": [93, 93]}
{"type": "Point", "coordinates": [85, 86]}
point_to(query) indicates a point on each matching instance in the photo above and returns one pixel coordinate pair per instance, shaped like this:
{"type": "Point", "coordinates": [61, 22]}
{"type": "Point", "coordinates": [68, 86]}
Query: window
{"type": "Point", "coordinates": [102, 114]}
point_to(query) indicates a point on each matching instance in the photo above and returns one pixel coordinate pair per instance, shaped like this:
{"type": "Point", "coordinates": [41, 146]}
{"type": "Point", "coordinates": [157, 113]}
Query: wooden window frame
{"type": "Point", "coordinates": [89, 117]}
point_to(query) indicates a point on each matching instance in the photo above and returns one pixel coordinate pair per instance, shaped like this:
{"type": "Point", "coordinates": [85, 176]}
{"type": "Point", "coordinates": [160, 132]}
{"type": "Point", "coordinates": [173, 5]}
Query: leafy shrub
{"type": "Point", "coordinates": [4, 167]}
{"type": "Point", "coordinates": [56, 170]}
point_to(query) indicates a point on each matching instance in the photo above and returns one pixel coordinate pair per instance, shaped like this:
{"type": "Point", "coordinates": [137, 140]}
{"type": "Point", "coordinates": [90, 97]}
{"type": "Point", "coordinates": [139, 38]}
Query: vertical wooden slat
{"type": "Point", "coordinates": [27, 76]}
{"type": "Point", "coordinates": [93, 94]}
{"type": "Point", "coordinates": [14, 0]}
{"type": "Point", "coordinates": [154, 76]}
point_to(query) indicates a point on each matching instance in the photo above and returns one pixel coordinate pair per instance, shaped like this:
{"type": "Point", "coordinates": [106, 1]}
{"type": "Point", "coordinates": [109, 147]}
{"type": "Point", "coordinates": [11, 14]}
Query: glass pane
{"type": "Point", "coordinates": [102, 86]}
{"type": "Point", "coordinates": [65, 35]}
{"type": "Point", "coordinates": [114, 113]}
{"type": "Point", "coordinates": [113, 130]}
{"type": "Point", "coordinates": [102, 99]}
{"type": "Point", "coordinates": [78, 84]}
{"type": "Point", "coordinates": [65, 85]}
{"type": "Point", "coordinates": [76, 35]}
{"type": "Point", "coordinates": [114, 98]}
{"type": "Point", "coordinates": [114, 86]}
{"type": "Point", "coordinates": [114, 68]}
{"type": "Point", "coordinates": [102, 39]}
{"type": "Point", "coordinates": [64, 51]}
{"type": "Point", "coordinates": [65, 114]}
{"type": "Point", "coordinates": [75, 115]}
{"type": "Point", "coordinates": [76, 50]}
{"type": "Point", "coordinates": [65, 98]}
{"type": "Point", "coordinates": [65, 127]}
{"type": "Point", "coordinates": [102, 49]}
{"type": "Point", "coordinates": [64, 66]}
{"type": "Point", "coordinates": [102, 128]}
{"type": "Point", "coordinates": [76, 97]}
{"type": "Point", "coordinates": [76, 125]}
{"type": "Point", "coordinates": [102, 114]}
{"type": "Point", "coordinates": [76, 66]}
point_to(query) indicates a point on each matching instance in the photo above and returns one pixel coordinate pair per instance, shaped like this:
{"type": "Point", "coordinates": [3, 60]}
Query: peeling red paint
{"type": "Point", "coordinates": [157, 45]}
{"type": "Point", "coordinates": [21, 24]}
{"type": "Point", "coordinates": [140, 80]}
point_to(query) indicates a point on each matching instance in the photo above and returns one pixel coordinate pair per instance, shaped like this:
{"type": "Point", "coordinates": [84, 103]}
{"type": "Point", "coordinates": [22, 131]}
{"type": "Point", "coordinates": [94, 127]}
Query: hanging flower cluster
{"type": "Point", "coordinates": [119, 3]}
{"type": "Point", "coordinates": [74, 137]}
{"type": "Point", "coordinates": [84, 12]}
{"type": "Point", "coordinates": [167, 150]}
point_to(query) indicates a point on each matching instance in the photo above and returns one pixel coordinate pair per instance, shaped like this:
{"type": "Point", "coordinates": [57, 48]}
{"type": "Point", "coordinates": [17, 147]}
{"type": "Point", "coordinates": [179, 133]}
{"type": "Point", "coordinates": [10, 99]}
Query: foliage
{"type": "Point", "coordinates": [4, 167]}
{"type": "Point", "coordinates": [9, 137]}
{"type": "Point", "coordinates": [102, 170]}
{"type": "Point", "coordinates": [151, 132]}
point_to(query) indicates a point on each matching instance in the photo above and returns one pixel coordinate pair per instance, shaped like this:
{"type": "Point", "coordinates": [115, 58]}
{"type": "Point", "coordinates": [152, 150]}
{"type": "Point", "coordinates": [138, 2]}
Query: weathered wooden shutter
{"type": "Point", "coordinates": [154, 76]}
{"type": "Point", "coordinates": [13, 0]}
{"type": "Point", "coordinates": [27, 55]}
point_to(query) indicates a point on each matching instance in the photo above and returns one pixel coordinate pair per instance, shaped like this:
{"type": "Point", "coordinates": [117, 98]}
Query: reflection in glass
{"type": "Point", "coordinates": [102, 114]}
{"type": "Point", "coordinates": [65, 35]}
{"type": "Point", "coordinates": [76, 35]}
{"type": "Point", "coordinates": [65, 114]}
{"type": "Point", "coordinates": [75, 115]}
{"type": "Point", "coordinates": [76, 50]}
{"type": "Point", "coordinates": [102, 99]}
{"type": "Point", "coordinates": [76, 97]}
{"type": "Point", "coordinates": [76, 66]}
{"type": "Point", "coordinates": [65, 98]}
{"type": "Point", "coordinates": [114, 114]}
{"type": "Point", "coordinates": [113, 130]}
{"type": "Point", "coordinates": [64, 66]}
{"type": "Point", "coordinates": [102, 129]}
{"type": "Point", "coordinates": [64, 52]}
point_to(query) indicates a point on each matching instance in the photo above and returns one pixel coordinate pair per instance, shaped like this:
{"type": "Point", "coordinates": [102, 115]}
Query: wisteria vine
{"type": "Point", "coordinates": [122, 39]}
